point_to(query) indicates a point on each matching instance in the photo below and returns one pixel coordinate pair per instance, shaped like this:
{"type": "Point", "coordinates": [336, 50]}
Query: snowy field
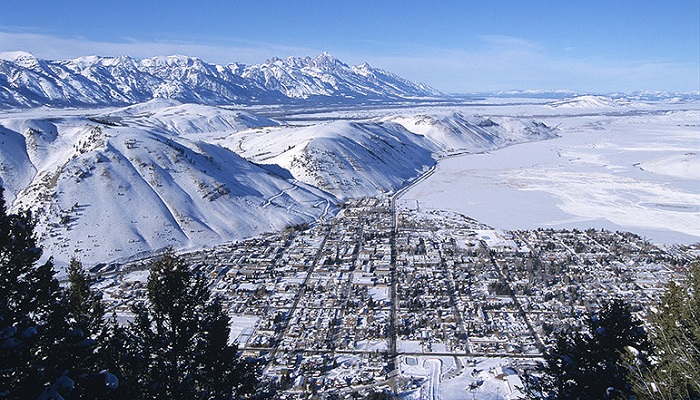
{"type": "Point", "coordinates": [633, 169]}
{"type": "Point", "coordinates": [449, 378]}
{"type": "Point", "coordinates": [242, 328]}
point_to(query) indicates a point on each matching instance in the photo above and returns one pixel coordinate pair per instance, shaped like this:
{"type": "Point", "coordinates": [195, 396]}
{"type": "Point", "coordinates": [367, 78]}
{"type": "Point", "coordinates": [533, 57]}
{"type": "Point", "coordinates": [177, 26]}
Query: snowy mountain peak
{"type": "Point", "coordinates": [323, 61]}
{"type": "Point", "coordinates": [26, 81]}
{"type": "Point", "coordinates": [273, 60]}
{"type": "Point", "coordinates": [326, 61]}
{"type": "Point", "coordinates": [16, 56]}
{"type": "Point", "coordinates": [92, 62]}
{"type": "Point", "coordinates": [171, 61]}
{"type": "Point", "coordinates": [21, 58]}
{"type": "Point", "coordinates": [363, 69]}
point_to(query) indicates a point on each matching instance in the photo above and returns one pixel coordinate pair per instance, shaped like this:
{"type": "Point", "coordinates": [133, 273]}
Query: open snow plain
{"type": "Point", "coordinates": [626, 167]}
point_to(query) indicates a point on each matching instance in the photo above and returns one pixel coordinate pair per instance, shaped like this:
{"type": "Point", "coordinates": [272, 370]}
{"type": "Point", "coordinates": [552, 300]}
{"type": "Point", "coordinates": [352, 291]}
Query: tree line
{"type": "Point", "coordinates": [59, 343]}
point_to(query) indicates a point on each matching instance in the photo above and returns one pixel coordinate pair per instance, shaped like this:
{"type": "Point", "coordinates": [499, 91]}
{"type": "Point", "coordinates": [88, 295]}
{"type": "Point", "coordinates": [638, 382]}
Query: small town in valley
{"type": "Point", "coordinates": [386, 295]}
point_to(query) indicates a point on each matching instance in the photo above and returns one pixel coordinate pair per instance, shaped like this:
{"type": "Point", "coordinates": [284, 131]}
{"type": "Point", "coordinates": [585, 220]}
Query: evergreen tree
{"type": "Point", "coordinates": [126, 358]}
{"type": "Point", "coordinates": [593, 363]}
{"type": "Point", "coordinates": [84, 353]}
{"type": "Point", "coordinates": [181, 335]}
{"type": "Point", "coordinates": [675, 334]}
{"type": "Point", "coordinates": [56, 343]}
{"type": "Point", "coordinates": [85, 308]}
{"type": "Point", "coordinates": [48, 336]}
{"type": "Point", "coordinates": [31, 320]}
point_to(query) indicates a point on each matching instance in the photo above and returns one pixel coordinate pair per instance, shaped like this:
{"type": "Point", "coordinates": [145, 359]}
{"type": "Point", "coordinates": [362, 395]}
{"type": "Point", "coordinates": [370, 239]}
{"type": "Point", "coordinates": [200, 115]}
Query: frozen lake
{"type": "Point", "coordinates": [638, 172]}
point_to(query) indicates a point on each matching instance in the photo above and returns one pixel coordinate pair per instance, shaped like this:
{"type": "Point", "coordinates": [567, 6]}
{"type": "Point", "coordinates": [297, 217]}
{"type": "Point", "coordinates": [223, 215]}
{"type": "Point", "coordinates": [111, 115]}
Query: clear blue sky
{"type": "Point", "coordinates": [455, 46]}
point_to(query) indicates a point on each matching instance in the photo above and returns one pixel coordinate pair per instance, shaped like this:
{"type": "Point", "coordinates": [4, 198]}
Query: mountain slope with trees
{"type": "Point", "coordinates": [55, 343]}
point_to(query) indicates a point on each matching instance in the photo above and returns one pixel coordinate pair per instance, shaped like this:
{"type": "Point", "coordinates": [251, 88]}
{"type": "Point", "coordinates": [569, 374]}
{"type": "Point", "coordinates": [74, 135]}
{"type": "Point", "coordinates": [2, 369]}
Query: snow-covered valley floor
{"type": "Point", "coordinates": [638, 172]}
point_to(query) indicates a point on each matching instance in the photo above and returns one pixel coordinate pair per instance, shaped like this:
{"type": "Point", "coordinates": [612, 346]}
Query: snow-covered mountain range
{"type": "Point", "coordinates": [113, 183]}
{"type": "Point", "coordinates": [26, 81]}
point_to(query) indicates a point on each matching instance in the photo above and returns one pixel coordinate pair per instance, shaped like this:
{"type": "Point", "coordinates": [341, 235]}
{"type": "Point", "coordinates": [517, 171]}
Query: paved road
{"type": "Point", "coordinates": [503, 273]}
{"type": "Point", "coordinates": [405, 189]}
{"type": "Point", "coordinates": [433, 365]}
{"type": "Point", "coordinates": [302, 289]}
{"type": "Point", "coordinates": [393, 294]}
{"type": "Point", "coordinates": [450, 283]}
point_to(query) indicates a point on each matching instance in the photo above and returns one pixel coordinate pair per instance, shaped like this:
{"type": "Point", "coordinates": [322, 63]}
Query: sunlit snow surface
{"type": "Point", "coordinates": [115, 183]}
{"type": "Point", "coordinates": [449, 378]}
{"type": "Point", "coordinates": [635, 170]}
{"type": "Point", "coordinates": [109, 185]}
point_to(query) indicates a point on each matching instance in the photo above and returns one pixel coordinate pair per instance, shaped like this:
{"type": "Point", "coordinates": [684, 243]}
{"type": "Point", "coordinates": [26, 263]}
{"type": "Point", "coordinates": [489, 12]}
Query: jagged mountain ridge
{"type": "Point", "coordinates": [328, 76]}
{"type": "Point", "coordinates": [26, 81]}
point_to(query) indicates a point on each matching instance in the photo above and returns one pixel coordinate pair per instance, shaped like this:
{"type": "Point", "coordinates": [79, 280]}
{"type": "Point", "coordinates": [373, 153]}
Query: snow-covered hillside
{"type": "Point", "coordinates": [363, 158]}
{"type": "Point", "coordinates": [26, 81]}
{"type": "Point", "coordinates": [595, 102]}
{"type": "Point", "coordinates": [117, 182]}
{"type": "Point", "coordinates": [106, 190]}
{"type": "Point", "coordinates": [348, 159]}
{"type": "Point", "coordinates": [455, 132]}
{"type": "Point", "coordinates": [684, 166]}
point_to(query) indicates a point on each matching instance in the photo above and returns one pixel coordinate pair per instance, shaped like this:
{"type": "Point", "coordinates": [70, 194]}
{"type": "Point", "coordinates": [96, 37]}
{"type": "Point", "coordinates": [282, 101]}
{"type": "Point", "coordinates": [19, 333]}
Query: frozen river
{"type": "Point", "coordinates": [639, 173]}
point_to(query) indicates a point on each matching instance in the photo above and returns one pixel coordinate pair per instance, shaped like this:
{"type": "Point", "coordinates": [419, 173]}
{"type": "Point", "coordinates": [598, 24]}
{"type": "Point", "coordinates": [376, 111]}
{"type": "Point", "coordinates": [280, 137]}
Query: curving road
{"type": "Point", "coordinates": [433, 364]}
